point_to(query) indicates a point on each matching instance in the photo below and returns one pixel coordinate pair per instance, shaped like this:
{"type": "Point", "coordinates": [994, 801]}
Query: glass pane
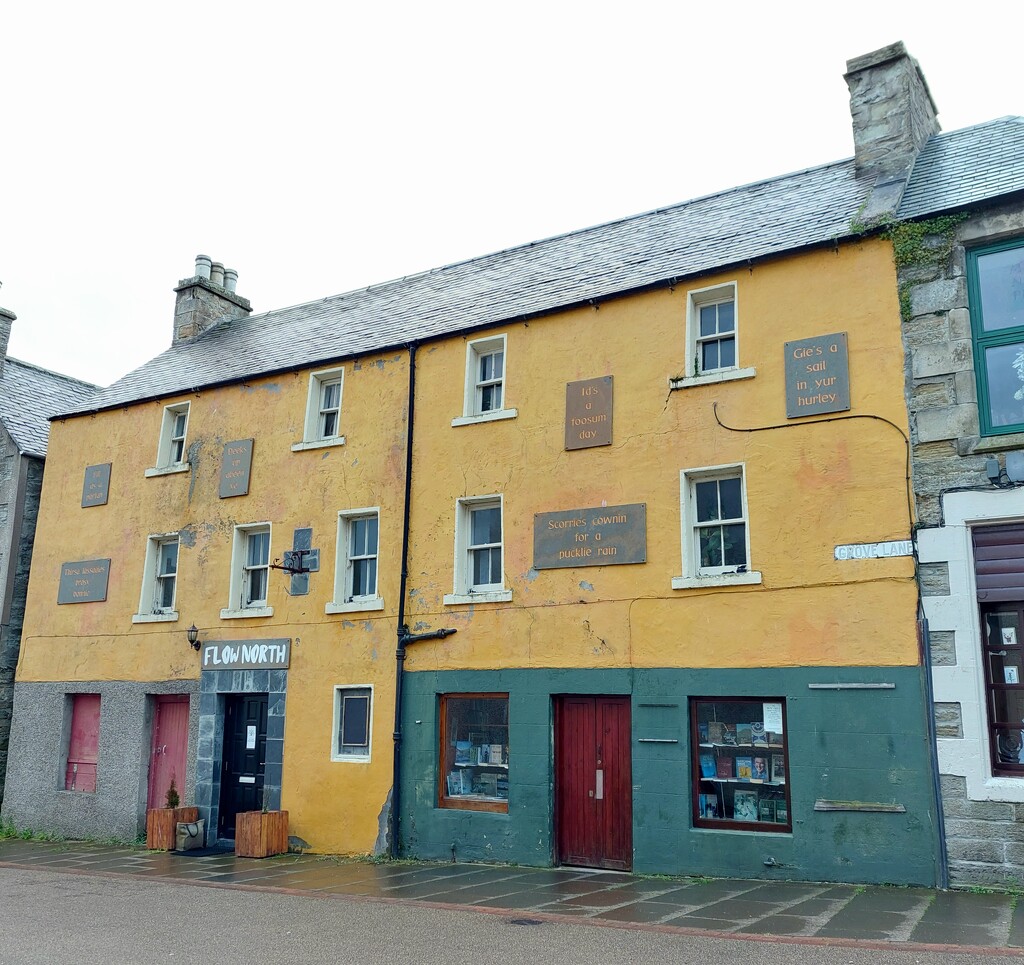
{"type": "Point", "coordinates": [331, 395]}
{"type": "Point", "coordinates": [490, 398]}
{"type": "Point", "coordinates": [708, 319]}
{"type": "Point", "coordinates": [371, 534]}
{"type": "Point", "coordinates": [165, 593]}
{"type": "Point", "coordinates": [257, 583]}
{"type": "Point", "coordinates": [475, 748]}
{"type": "Point", "coordinates": [707, 500]}
{"type": "Point", "coordinates": [364, 577]}
{"type": "Point", "coordinates": [731, 494]}
{"type": "Point", "coordinates": [1008, 704]}
{"type": "Point", "coordinates": [711, 547]}
{"type": "Point", "coordinates": [734, 541]}
{"type": "Point", "coordinates": [740, 767]}
{"type": "Point", "coordinates": [355, 720]}
{"type": "Point", "coordinates": [709, 356]}
{"type": "Point", "coordinates": [485, 526]}
{"type": "Point", "coordinates": [1004, 365]}
{"type": "Point", "coordinates": [727, 352]}
{"type": "Point", "coordinates": [1001, 279]}
{"type": "Point", "coordinates": [329, 425]}
{"type": "Point", "coordinates": [726, 317]}
{"type": "Point", "coordinates": [259, 548]}
{"type": "Point", "coordinates": [1009, 747]}
{"type": "Point", "coordinates": [179, 425]}
{"type": "Point", "coordinates": [486, 567]}
{"type": "Point", "coordinates": [168, 558]}
{"type": "Point", "coordinates": [1003, 629]}
{"type": "Point", "coordinates": [359, 536]}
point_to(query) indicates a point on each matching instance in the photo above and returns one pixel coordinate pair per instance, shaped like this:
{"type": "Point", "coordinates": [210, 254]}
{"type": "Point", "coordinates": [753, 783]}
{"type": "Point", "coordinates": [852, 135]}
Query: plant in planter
{"type": "Point", "coordinates": [162, 823]}
{"type": "Point", "coordinates": [260, 834]}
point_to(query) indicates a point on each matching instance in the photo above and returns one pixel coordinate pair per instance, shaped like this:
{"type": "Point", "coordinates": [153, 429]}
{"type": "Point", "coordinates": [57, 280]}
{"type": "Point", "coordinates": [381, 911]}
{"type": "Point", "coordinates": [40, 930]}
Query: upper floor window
{"type": "Point", "coordinates": [715, 537]}
{"type": "Point", "coordinates": [355, 578]}
{"type": "Point", "coordinates": [479, 552]}
{"type": "Point", "coordinates": [712, 337]}
{"type": "Point", "coordinates": [250, 573]}
{"type": "Point", "coordinates": [995, 279]}
{"type": "Point", "coordinates": [485, 394]}
{"type": "Point", "coordinates": [171, 455]}
{"type": "Point", "coordinates": [159, 580]}
{"type": "Point", "coordinates": [322, 423]}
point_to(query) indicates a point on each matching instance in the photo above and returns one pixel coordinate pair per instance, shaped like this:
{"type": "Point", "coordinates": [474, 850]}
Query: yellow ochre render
{"type": "Point", "coordinates": [810, 486]}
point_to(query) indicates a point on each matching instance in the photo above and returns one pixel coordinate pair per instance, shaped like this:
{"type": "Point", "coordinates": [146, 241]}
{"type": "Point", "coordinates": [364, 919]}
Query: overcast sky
{"type": "Point", "coordinates": [319, 148]}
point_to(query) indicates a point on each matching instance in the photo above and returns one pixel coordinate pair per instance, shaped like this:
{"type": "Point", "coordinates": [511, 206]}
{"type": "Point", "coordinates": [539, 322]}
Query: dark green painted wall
{"type": "Point", "coordinates": [849, 745]}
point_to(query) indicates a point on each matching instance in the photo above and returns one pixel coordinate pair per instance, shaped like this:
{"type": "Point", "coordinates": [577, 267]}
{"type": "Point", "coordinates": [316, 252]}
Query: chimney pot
{"type": "Point", "coordinates": [217, 274]}
{"type": "Point", "coordinates": [230, 279]}
{"type": "Point", "coordinates": [203, 263]}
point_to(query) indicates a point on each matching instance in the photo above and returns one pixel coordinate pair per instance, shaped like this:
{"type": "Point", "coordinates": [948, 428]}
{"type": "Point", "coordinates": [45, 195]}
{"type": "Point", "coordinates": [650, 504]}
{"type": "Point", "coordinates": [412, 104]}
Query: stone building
{"type": "Point", "coordinates": [959, 243]}
{"type": "Point", "coordinates": [28, 396]}
{"type": "Point", "coordinates": [631, 504]}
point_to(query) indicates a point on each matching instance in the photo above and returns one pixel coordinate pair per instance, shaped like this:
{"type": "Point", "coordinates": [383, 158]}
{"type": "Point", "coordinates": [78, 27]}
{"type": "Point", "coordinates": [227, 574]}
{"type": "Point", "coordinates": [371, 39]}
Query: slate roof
{"type": "Point", "coordinates": [806, 208]}
{"type": "Point", "coordinates": [30, 396]}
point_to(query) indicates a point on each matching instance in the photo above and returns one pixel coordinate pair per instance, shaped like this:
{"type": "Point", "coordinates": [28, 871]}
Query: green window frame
{"type": "Point", "coordinates": [995, 292]}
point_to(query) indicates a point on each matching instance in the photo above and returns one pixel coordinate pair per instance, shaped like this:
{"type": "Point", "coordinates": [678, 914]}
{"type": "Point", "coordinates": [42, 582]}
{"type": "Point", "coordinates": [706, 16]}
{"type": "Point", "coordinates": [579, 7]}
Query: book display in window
{"type": "Point", "coordinates": [474, 753]}
{"type": "Point", "coordinates": [740, 763]}
{"type": "Point", "coordinates": [1004, 670]}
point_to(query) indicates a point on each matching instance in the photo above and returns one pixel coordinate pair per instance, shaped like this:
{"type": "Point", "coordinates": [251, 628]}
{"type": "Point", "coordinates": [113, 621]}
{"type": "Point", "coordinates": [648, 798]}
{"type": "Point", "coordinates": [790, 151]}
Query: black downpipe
{"type": "Point", "coordinates": [403, 630]}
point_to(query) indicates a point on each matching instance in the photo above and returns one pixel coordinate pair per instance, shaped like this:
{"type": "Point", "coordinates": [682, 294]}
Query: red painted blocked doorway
{"type": "Point", "coordinates": [169, 748]}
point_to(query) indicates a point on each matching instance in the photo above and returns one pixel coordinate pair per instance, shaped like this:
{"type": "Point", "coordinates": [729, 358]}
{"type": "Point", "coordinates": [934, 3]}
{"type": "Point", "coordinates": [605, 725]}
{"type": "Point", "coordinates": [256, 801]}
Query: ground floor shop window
{"type": "Point", "coordinates": [740, 764]}
{"type": "Point", "coordinates": [83, 743]}
{"type": "Point", "coordinates": [1003, 628]}
{"type": "Point", "coordinates": [474, 754]}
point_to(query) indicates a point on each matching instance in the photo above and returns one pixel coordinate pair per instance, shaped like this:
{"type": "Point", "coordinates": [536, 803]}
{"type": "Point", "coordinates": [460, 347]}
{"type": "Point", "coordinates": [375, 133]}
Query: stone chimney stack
{"type": "Point", "coordinates": [892, 110]}
{"type": "Point", "coordinates": [205, 299]}
{"type": "Point", "coordinates": [6, 318]}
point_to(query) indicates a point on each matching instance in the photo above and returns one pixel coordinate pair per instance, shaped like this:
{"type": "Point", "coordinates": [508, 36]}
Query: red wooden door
{"type": "Point", "coordinates": [593, 782]}
{"type": "Point", "coordinates": [170, 745]}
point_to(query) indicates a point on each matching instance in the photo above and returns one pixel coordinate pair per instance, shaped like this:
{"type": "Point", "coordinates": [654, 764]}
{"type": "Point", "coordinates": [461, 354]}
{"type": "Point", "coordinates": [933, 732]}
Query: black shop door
{"type": "Point", "coordinates": [245, 755]}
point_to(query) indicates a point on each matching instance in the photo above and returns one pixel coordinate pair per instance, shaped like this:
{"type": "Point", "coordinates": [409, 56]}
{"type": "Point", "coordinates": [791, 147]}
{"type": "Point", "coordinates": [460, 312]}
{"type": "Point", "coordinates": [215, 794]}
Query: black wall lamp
{"type": "Point", "coordinates": [193, 637]}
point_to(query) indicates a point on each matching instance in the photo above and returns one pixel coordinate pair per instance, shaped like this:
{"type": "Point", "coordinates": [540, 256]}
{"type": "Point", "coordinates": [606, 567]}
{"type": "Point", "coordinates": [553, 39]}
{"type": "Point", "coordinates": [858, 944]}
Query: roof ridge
{"type": "Point", "coordinates": [59, 375]}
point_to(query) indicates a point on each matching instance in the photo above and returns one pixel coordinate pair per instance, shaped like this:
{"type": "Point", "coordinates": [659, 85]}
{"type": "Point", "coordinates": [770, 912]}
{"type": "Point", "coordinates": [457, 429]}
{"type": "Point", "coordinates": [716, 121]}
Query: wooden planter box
{"type": "Point", "coordinates": [162, 826]}
{"type": "Point", "coordinates": [259, 834]}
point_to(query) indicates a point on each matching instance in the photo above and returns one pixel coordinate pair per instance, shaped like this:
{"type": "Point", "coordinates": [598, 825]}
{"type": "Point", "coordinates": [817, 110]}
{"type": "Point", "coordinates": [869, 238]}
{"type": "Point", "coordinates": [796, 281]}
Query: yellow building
{"type": "Point", "coordinates": [631, 505]}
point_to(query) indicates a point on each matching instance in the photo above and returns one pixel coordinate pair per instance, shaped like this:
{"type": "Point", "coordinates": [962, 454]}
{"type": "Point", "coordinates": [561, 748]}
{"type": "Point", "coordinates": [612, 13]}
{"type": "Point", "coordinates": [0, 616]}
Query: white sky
{"type": "Point", "coordinates": [319, 148]}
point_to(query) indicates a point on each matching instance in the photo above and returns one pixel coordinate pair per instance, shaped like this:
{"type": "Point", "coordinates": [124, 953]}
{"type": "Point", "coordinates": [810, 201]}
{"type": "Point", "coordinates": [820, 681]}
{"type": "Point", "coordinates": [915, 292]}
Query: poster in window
{"type": "Point", "coordinates": [1009, 637]}
{"type": "Point", "coordinates": [744, 807]}
{"type": "Point", "coordinates": [772, 713]}
{"type": "Point", "coordinates": [1010, 675]}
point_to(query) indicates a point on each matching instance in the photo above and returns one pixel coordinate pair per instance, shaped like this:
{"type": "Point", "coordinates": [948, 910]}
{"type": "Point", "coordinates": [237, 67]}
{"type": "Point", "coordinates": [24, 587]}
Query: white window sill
{"type": "Point", "coordinates": [168, 470]}
{"type": "Point", "coordinates": [249, 611]}
{"type": "Point", "coordinates": [711, 378]}
{"type": "Point", "coordinates": [496, 416]}
{"type": "Point", "coordinates": [356, 606]}
{"type": "Point", "coordinates": [719, 579]}
{"type": "Point", "coordinates": [169, 617]}
{"type": "Point", "coordinates": [483, 596]}
{"type": "Point", "coordinates": [318, 444]}
{"type": "Point", "coordinates": [350, 759]}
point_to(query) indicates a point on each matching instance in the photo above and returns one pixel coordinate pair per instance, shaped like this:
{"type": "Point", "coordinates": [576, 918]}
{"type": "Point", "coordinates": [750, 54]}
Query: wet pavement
{"type": "Point", "coordinates": [804, 912]}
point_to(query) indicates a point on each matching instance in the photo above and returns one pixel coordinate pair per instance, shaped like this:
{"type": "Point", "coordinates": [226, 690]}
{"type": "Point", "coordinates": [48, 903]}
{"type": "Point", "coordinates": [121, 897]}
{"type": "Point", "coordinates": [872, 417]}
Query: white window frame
{"type": "Point", "coordinates": [696, 299]}
{"type": "Point", "coordinates": [166, 463]}
{"type": "Point", "coordinates": [477, 349]}
{"type": "Point", "coordinates": [149, 610]}
{"type": "Point", "coordinates": [464, 590]}
{"type": "Point", "coordinates": [344, 601]}
{"type": "Point", "coordinates": [695, 576]}
{"type": "Point", "coordinates": [237, 608]}
{"type": "Point", "coordinates": [337, 748]}
{"type": "Point", "coordinates": [312, 437]}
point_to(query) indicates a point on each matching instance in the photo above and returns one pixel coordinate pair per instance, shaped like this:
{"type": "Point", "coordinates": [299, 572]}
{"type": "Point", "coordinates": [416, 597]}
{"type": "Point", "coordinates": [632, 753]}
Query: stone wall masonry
{"type": "Point", "coordinates": [934, 579]}
{"type": "Point", "coordinates": [949, 720]}
{"type": "Point", "coordinates": [36, 798]}
{"type": "Point", "coordinates": [984, 839]}
{"type": "Point", "coordinates": [943, 648]}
